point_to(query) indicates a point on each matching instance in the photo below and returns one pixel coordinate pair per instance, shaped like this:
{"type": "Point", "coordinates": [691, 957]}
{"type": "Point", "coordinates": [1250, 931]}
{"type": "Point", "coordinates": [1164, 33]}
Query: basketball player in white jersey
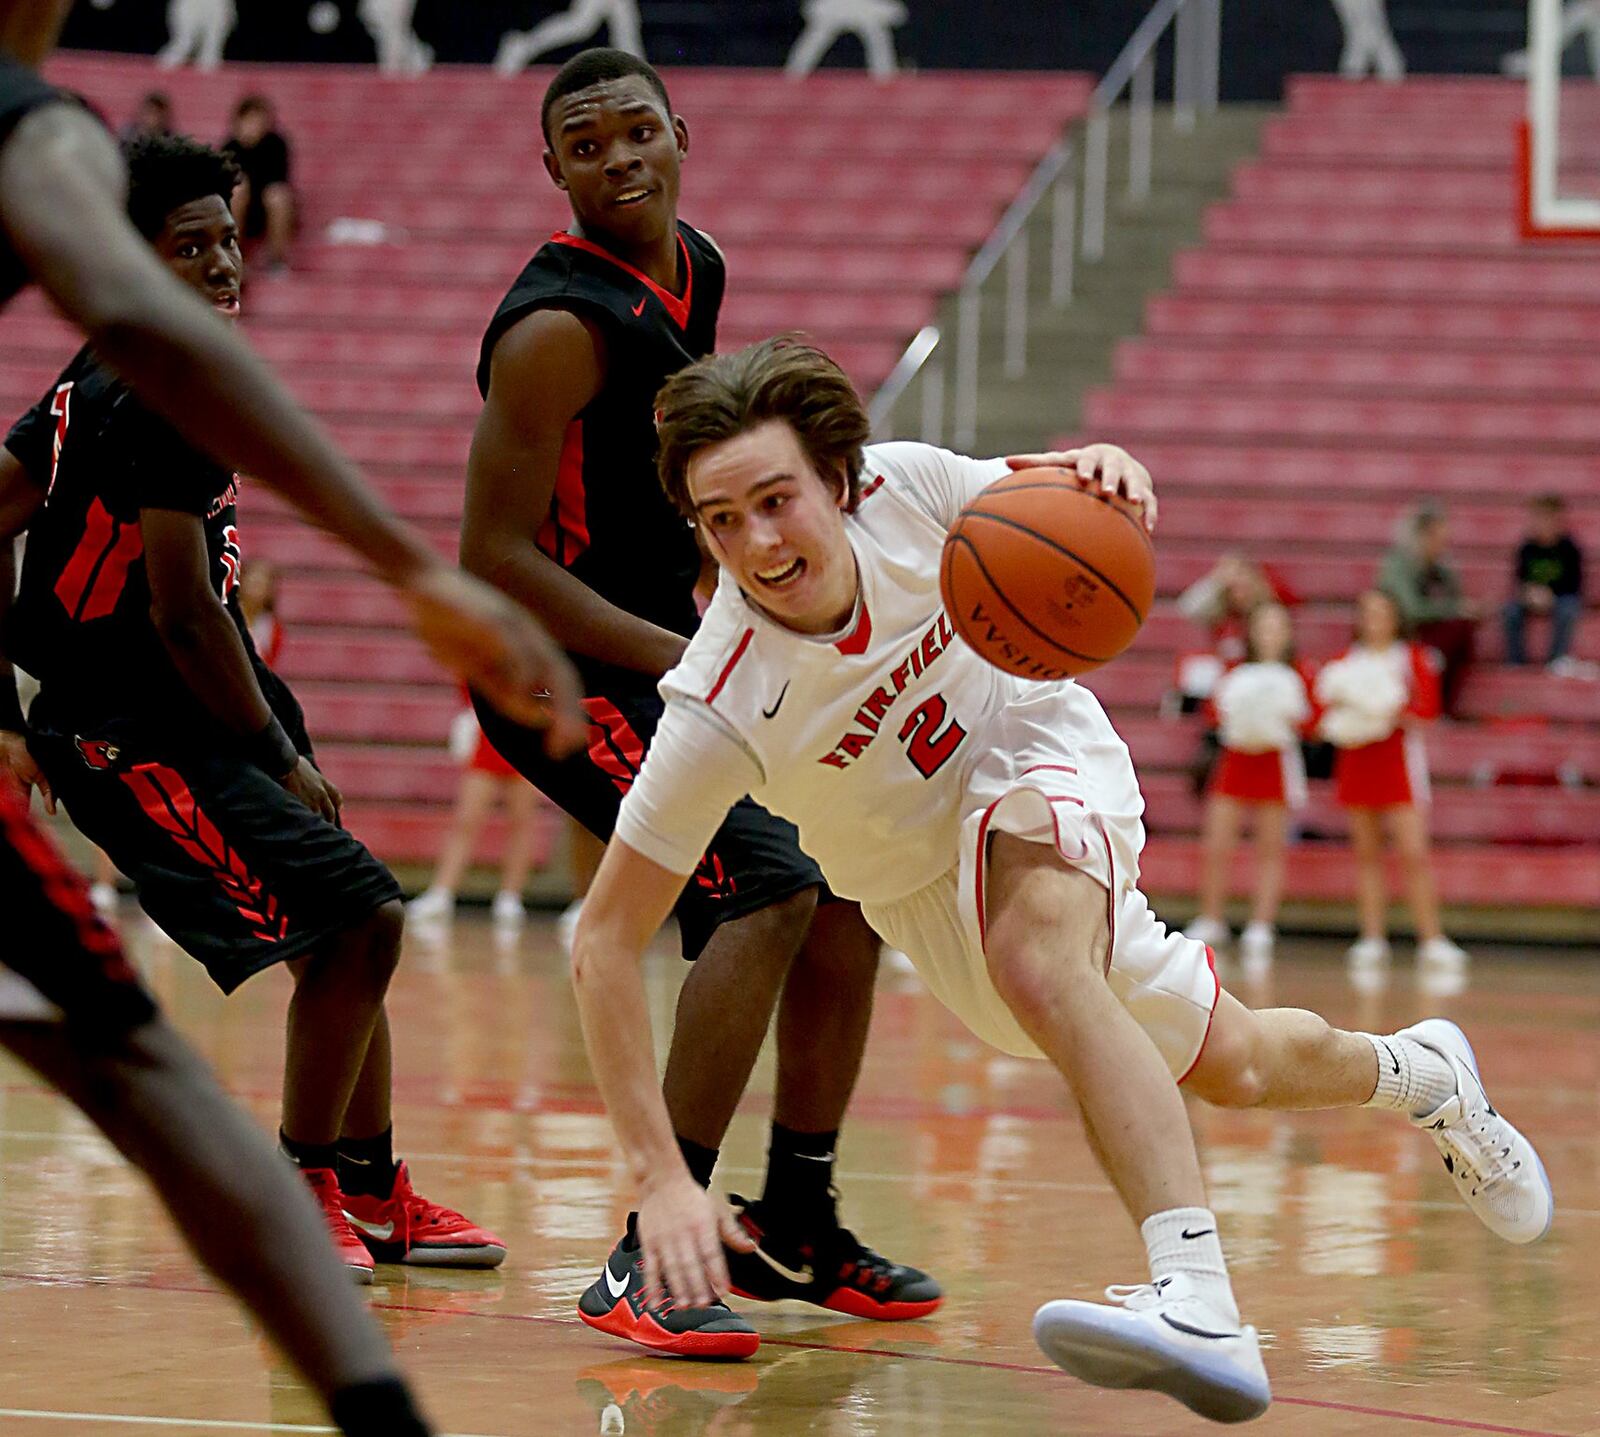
{"type": "Point", "coordinates": [990, 827]}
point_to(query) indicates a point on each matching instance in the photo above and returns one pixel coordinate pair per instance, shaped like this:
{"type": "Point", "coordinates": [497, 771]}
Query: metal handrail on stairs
{"type": "Point", "coordinates": [1196, 27]}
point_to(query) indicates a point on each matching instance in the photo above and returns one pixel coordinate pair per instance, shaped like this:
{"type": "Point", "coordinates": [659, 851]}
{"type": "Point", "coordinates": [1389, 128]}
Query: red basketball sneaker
{"type": "Point", "coordinates": [406, 1227]}
{"type": "Point", "coordinates": [618, 1302]}
{"type": "Point", "coordinates": [324, 1185]}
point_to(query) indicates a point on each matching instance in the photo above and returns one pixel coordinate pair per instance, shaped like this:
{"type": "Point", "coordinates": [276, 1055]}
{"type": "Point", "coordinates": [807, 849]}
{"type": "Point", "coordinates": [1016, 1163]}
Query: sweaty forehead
{"type": "Point", "coordinates": [207, 211]}
{"type": "Point", "coordinates": [623, 96]}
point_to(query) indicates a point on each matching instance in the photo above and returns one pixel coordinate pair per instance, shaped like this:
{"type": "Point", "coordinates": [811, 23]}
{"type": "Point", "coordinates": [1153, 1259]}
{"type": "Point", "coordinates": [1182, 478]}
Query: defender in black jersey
{"type": "Point", "coordinates": [564, 512]}
{"type": "Point", "coordinates": [70, 1006]}
{"type": "Point", "coordinates": [183, 757]}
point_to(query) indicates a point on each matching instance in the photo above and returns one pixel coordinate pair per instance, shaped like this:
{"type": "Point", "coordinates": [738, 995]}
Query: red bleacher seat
{"type": "Point", "coordinates": [1287, 225]}
{"type": "Point", "coordinates": [1288, 367]}
{"type": "Point", "coordinates": [1470, 97]}
{"type": "Point", "coordinates": [1516, 279]}
{"type": "Point", "coordinates": [1517, 815]}
{"type": "Point", "coordinates": [1416, 189]}
{"type": "Point", "coordinates": [1377, 140]}
{"type": "Point", "coordinates": [1507, 425]}
{"type": "Point", "coordinates": [1464, 872]}
{"type": "Point", "coordinates": [1283, 469]}
{"type": "Point", "coordinates": [1200, 312]}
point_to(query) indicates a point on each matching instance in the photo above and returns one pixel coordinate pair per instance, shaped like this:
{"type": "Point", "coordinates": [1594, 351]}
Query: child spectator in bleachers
{"type": "Point", "coordinates": [264, 202]}
{"type": "Point", "coordinates": [1372, 700]}
{"type": "Point", "coordinates": [1261, 706]}
{"type": "Point", "coordinates": [1548, 580]}
{"type": "Point", "coordinates": [1427, 592]}
{"type": "Point", "coordinates": [487, 777]}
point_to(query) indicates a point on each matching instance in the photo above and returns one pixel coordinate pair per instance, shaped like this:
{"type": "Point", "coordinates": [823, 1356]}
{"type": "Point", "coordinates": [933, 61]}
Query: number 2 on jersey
{"type": "Point", "coordinates": [926, 746]}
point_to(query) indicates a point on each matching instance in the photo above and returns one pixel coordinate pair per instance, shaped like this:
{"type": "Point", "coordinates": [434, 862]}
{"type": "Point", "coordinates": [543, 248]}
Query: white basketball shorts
{"type": "Point", "coordinates": [1054, 771]}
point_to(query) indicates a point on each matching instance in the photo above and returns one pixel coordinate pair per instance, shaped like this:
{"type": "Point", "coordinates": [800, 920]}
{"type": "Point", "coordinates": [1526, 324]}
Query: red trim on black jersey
{"type": "Point", "coordinates": [738, 654]}
{"type": "Point", "coordinates": [856, 641]}
{"type": "Point", "coordinates": [564, 535]}
{"type": "Point", "coordinates": [61, 408]}
{"type": "Point", "coordinates": [677, 308]}
{"type": "Point", "coordinates": [94, 577]}
{"type": "Point", "coordinates": [168, 803]}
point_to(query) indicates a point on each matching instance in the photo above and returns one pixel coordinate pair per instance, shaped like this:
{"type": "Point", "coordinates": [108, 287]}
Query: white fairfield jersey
{"type": "Point", "coordinates": [867, 740]}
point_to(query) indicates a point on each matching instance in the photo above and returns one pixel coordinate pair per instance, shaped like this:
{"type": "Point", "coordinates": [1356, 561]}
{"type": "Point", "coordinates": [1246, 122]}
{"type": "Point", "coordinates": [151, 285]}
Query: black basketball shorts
{"type": "Point", "coordinates": [230, 865]}
{"type": "Point", "coordinates": [54, 941]}
{"type": "Point", "coordinates": [754, 860]}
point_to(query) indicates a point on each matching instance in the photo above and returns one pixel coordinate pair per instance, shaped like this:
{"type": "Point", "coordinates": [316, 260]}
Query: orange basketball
{"type": "Point", "coordinates": [1045, 579]}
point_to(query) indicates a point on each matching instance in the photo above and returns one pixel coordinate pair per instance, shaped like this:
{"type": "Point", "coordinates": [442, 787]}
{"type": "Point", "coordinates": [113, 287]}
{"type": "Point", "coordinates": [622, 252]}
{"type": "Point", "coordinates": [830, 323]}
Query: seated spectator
{"type": "Point", "coordinates": [153, 117]}
{"type": "Point", "coordinates": [264, 202]}
{"type": "Point", "coordinates": [1548, 580]}
{"type": "Point", "coordinates": [1426, 590]}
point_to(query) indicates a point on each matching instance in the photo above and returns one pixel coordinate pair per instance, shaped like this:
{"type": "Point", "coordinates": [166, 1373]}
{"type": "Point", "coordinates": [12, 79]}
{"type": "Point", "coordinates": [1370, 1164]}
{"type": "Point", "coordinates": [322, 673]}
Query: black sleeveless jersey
{"type": "Point", "coordinates": [81, 622]}
{"type": "Point", "coordinates": [21, 92]}
{"type": "Point", "coordinates": [609, 523]}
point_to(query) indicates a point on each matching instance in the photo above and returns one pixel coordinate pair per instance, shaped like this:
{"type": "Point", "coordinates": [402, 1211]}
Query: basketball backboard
{"type": "Point", "coordinates": [1559, 150]}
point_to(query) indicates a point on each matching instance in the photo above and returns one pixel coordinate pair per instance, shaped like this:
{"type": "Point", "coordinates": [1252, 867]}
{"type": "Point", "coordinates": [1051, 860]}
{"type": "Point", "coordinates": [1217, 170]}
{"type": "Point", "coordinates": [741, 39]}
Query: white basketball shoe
{"type": "Point", "coordinates": [1495, 1169]}
{"type": "Point", "coordinates": [1164, 1336]}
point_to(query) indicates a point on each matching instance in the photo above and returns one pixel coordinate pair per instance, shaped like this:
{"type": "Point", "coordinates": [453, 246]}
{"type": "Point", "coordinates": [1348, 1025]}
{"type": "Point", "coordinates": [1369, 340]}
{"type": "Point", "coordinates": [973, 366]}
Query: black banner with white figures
{"type": "Point", "coordinates": [1263, 40]}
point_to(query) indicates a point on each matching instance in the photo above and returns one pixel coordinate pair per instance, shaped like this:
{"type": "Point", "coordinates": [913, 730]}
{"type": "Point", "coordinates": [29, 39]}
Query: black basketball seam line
{"type": "Point", "coordinates": [1077, 558]}
{"type": "Point", "coordinates": [1104, 499]}
{"type": "Point", "coordinates": [1021, 617]}
{"type": "Point", "coordinates": [1064, 552]}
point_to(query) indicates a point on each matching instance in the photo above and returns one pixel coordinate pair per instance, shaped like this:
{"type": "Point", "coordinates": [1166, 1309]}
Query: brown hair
{"type": "Point", "coordinates": [723, 395]}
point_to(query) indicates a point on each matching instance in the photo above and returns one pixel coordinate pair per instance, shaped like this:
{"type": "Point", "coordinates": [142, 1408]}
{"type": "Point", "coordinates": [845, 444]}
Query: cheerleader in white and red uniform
{"type": "Point", "coordinates": [1261, 706]}
{"type": "Point", "coordinates": [1374, 698]}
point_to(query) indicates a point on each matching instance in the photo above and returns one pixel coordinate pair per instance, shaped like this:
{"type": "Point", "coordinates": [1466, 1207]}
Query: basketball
{"type": "Point", "coordinates": [1044, 579]}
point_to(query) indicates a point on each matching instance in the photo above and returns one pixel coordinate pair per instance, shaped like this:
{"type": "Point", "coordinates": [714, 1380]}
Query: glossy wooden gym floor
{"type": "Point", "coordinates": [1384, 1306]}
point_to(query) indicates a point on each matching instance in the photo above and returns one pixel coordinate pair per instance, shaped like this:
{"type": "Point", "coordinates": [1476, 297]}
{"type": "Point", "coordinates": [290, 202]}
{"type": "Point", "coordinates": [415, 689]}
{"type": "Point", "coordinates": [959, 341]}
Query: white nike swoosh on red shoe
{"type": "Point", "coordinates": [614, 1285]}
{"type": "Point", "coordinates": [383, 1234]}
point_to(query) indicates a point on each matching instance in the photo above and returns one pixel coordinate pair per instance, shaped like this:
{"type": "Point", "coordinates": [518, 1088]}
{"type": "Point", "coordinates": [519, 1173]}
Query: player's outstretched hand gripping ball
{"type": "Point", "coordinates": [1046, 579]}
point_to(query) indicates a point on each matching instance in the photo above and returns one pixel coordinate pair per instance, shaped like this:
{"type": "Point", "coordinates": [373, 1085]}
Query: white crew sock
{"type": "Point", "coordinates": [1412, 1078]}
{"type": "Point", "coordinates": [1184, 1239]}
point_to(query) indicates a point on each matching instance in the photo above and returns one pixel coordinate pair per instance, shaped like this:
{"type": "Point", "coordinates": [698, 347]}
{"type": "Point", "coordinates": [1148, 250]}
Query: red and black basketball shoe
{"type": "Point", "coordinates": [616, 1303]}
{"type": "Point", "coordinates": [324, 1185]}
{"type": "Point", "coordinates": [828, 1267]}
{"type": "Point", "coordinates": [406, 1227]}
